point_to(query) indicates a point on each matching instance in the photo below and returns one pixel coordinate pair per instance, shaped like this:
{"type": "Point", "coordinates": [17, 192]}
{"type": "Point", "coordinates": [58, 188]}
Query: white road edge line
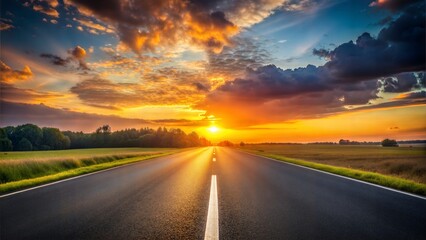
{"type": "Point", "coordinates": [340, 176]}
{"type": "Point", "coordinates": [212, 226]}
{"type": "Point", "coordinates": [80, 176]}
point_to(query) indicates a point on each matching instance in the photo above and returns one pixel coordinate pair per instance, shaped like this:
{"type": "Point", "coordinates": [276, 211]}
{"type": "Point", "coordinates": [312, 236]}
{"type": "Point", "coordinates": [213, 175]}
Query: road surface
{"type": "Point", "coordinates": [211, 193]}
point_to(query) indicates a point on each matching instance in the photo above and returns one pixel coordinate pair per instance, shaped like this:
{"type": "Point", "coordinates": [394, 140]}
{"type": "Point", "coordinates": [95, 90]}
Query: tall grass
{"type": "Point", "coordinates": [25, 169]}
{"type": "Point", "coordinates": [19, 174]}
{"type": "Point", "coordinates": [402, 162]}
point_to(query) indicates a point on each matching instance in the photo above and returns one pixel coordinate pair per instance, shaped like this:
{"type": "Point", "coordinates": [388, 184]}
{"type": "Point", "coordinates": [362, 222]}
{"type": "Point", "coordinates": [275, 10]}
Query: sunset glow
{"type": "Point", "coordinates": [213, 129]}
{"type": "Point", "coordinates": [268, 70]}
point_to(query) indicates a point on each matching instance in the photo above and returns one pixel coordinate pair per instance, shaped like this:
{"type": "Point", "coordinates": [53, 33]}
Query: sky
{"type": "Point", "coordinates": [255, 70]}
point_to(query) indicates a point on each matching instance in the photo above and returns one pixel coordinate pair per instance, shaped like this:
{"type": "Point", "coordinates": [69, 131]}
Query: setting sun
{"type": "Point", "coordinates": [213, 129]}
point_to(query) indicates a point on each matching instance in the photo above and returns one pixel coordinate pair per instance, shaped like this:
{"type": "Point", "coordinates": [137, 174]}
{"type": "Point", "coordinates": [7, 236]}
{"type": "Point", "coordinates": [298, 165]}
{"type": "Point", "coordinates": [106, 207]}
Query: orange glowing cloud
{"type": "Point", "coordinates": [149, 25]}
{"type": "Point", "coordinates": [8, 75]}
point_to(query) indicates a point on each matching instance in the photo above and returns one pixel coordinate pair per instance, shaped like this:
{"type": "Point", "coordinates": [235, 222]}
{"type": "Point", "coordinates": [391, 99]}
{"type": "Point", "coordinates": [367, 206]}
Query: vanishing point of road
{"type": "Point", "coordinates": [211, 193]}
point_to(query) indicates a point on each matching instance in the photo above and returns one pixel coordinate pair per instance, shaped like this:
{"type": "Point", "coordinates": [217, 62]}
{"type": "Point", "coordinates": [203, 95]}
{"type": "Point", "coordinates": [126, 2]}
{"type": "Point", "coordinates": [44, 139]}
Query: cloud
{"type": "Point", "coordinates": [348, 81]}
{"type": "Point", "coordinates": [42, 115]}
{"type": "Point", "coordinates": [323, 53]}
{"type": "Point", "coordinates": [143, 25]}
{"type": "Point", "coordinates": [271, 94]}
{"type": "Point", "coordinates": [299, 5]}
{"type": "Point", "coordinates": [5, 24]}
{"type": "Point", "coordinates": [13, 94]}
{"type": "Point", "coordinates": [403, 82]}
{"type": "Point", "coordinates": [52, 3]}
{"type": "Point", "coordinates": [234, 60]}
{"type": "Point", "coordinates": [412, 95]}
{"type": "Point", "coordinates": [94, 26]}
{"type": "Point", "coordinates": [393, 5]}
{"type": "Point", "coordinates": [384, 21]}
{"type": "Point", "coordinates": [399, 47]}
{"type": "Point", "coordinates": [75, 55]}
{"type": "Point", "coordinates": [201, 87]}
{"type": "Point", "coordinates": [56, 60]}
{"type": "Point", "coordinates": [46, 9]}
{"type": "Point", "coordinates": [64, 119]}
{"type": "Point", "coordinates": [8, 75]}
{"type": "Point", "coordinates": [100, 92]}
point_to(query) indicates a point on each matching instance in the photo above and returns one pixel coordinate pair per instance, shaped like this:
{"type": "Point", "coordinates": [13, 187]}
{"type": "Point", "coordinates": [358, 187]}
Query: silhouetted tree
{"type": "Point", "coordinates": [5, 142]}
{"type": "Point", "coordinates": [53, 138]}
{"type": "Point", "coordinates": [24, 145]}
{"type": "Point", "coordinates": [389, 143]}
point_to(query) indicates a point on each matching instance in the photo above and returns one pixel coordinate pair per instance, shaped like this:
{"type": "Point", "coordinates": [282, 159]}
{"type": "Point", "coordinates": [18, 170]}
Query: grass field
{"type": "Point", "coordinates": [402, 168]}
{"type": "Point", "coordinates": [24, 169]}
{"type": "Point", "coordinates": [77, 153]}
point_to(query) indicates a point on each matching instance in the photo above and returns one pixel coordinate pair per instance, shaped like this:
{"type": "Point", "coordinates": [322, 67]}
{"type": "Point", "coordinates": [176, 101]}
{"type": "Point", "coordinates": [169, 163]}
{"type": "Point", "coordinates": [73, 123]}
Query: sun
{"type": "Point", "coordinates": [213, 129]}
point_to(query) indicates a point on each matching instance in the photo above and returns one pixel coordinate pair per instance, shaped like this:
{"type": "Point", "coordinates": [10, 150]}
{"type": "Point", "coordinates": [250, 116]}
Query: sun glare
{"type": "Point", "coordinates": [213, 129]}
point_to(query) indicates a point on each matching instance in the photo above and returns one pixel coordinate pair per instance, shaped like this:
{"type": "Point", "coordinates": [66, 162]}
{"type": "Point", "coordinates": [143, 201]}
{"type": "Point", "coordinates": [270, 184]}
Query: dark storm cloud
{"type": "Point", "coordinates": [323, 53]}
{"type": "Point", "coordinates": [270, 82]}
{"type": "Point", "coordinates": [384, 21]}
{"type": "Point", "coordinates": [402, 82]}
{"type": "Point", "coordinates": [399, 47]}
{"type": "Point", "coordinates": [393, 5]}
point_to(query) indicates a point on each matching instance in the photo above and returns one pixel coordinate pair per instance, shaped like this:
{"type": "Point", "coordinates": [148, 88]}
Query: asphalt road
{"type": "Point", "coordinates": [168, 198]}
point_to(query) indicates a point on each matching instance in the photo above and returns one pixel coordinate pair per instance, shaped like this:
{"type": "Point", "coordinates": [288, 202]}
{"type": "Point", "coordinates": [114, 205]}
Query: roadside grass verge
{"type": "Point", "coordinates": [376, 178]}
{"type": "Point", "coordinates": [20, 174]}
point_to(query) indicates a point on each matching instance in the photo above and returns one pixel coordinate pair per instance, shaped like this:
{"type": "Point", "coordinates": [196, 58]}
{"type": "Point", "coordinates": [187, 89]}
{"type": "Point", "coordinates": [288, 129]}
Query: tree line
{"type": "Point", "coordinates": [29, 137]}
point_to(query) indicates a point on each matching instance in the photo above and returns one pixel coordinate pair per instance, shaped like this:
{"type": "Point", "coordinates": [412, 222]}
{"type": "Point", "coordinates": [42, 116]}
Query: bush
{"type": "Point", "coordinates": [389, 143]}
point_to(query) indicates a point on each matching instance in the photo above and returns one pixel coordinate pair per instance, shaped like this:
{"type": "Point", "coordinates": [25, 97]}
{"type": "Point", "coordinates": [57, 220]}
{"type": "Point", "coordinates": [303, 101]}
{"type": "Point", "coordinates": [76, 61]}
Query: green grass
{"type": "Point", "coordinates": [77, 153]}
{"type": "Point", "coordinates": [371, 177]}
{"type": "Point", "coordinates": [16, 174]}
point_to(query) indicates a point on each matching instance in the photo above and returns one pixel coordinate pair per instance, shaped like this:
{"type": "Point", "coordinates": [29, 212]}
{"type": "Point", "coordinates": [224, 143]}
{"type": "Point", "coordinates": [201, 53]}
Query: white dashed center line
{"type": "Point", "coordinates": [212, 226]}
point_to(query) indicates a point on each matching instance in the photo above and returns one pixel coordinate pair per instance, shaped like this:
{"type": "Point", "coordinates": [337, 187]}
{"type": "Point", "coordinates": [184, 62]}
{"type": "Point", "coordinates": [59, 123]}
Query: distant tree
{"type": "Point", "coordinates": [389, 143]}
{"type": "Point", "coordinates": [242, 144]}
{"type": "Point", "coordinates": [24, 145]}
{"type": "Point", "coordinates": [5, 142]}
{"type": "Point", "coordinates": [105, 129]}
{"type": "Point", "coordinates": [31, 133]}
{"type": "Point", "coordinates": [55, 139]}
{"type": "Point", "coordinates": [147, 140]}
